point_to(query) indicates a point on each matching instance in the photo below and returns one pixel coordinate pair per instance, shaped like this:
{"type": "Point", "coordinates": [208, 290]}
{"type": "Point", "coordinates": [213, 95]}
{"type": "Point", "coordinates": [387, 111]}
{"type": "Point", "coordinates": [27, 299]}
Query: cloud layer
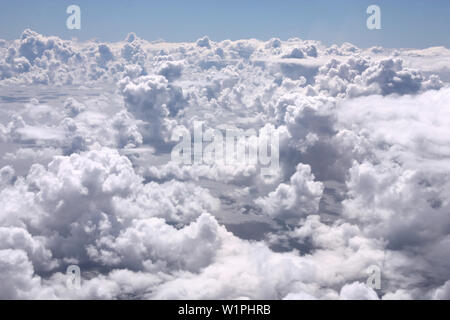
{"type": "Point", "coordinates": [86, 178]}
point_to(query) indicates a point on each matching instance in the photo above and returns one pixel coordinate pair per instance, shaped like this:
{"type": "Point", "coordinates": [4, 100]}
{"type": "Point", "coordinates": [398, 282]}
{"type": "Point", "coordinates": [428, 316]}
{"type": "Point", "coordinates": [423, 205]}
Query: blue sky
{"type": "Point", "coordinates": [405, 23]}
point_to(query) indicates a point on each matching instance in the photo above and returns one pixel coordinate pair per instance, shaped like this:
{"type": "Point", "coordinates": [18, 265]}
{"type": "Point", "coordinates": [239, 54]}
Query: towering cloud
{"type": "Point", "coordinates": [86, 175]}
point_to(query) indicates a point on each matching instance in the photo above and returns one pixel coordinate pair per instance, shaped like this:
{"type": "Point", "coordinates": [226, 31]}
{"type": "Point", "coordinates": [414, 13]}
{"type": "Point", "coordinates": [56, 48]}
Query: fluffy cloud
{"type": "Point", "coordinates": [17, 276]}
{"type": "Point", "coordinates": [300, 197]}
{"type": "Point", "coordinates": [86, 133]}
{"type": "Point", "coordinates": [360, 76]}
{"type": "Point", "coordinates": [357, 291]}
{"type": "Point", "coordinates": [152, 99]}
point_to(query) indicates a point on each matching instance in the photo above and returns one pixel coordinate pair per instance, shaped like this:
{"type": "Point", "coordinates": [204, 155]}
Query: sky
{"type": "Point", "coordinates": [405, 23]}
{"type": "Point", "coordinates": [356, 186]}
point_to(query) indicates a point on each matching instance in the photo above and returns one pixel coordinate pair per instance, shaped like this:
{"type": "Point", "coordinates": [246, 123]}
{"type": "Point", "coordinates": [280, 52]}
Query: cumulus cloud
{"type": "Point", "coordinates": [357, 291]}
{"type": "Point", "coordinates": [152, 99]}
{"type": "Point", "coordinates": [300, 197]}
{"type": "Point", "coordinates": [86, 176]}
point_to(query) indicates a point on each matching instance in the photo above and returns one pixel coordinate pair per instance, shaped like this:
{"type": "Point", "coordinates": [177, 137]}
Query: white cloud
{"type": "Point", "coordinates": [357, 291]}
{"type": "Point", "coordinates": [86, 178]}
{"type": "Point", "coordinates": [300, 197]}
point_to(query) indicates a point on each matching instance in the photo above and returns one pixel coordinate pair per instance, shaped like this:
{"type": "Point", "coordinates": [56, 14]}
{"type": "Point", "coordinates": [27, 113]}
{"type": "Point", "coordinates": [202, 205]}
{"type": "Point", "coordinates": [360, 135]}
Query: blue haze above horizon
{"type": "Point", "coordinates": [412, 24]}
